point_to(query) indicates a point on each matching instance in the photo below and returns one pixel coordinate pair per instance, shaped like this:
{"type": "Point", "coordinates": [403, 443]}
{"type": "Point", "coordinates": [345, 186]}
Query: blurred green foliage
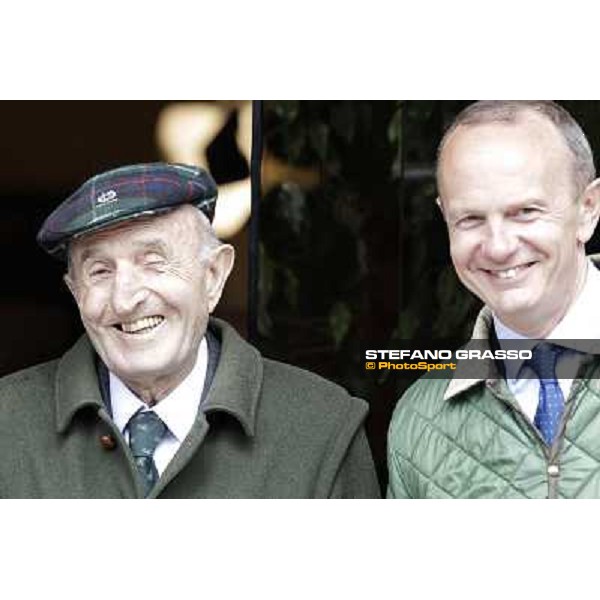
{"type": "Point", "coordinates": [362, 258]}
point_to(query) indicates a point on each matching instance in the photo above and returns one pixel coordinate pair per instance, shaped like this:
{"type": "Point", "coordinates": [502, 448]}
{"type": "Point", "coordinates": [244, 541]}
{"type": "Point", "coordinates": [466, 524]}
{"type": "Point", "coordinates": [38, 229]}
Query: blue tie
{"type": "Point", "coordinates": [551, 402]}
{"type": "Point", "coordinates": [146, 429]}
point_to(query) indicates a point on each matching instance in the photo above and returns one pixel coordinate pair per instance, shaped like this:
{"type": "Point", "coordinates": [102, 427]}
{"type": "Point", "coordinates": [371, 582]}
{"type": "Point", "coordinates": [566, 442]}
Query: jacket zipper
{"type": "Point", "coordinates": [551, 453]}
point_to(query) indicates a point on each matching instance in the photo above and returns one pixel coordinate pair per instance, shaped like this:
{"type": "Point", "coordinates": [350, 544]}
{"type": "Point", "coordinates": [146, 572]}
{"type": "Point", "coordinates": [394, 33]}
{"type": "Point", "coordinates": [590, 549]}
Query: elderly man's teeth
{"type": "Point", "coordinates": [142, 325]}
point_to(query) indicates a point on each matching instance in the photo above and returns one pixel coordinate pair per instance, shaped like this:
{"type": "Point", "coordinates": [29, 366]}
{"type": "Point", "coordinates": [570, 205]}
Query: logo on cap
{"type": "Point", "coordinates": [107, 197]}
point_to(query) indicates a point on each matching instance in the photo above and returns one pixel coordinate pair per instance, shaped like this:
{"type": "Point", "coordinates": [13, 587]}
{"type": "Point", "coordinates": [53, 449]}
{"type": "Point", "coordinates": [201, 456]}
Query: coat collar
{"type": "Point", "coordinates": [76, 385]}
{"type": "Point", "coordinates": [238, 379]}
{"type": "Point", "coordinates": [235, 388]}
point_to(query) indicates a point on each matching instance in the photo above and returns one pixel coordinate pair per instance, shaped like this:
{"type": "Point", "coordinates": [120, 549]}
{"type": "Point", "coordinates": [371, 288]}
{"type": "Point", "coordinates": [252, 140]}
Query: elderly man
{"type": "Point", "coordinates": [517, 190]}
{"type": "Point", "coordinates": [158, 399]}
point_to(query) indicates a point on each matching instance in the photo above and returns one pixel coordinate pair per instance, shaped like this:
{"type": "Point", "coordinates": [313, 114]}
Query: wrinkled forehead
{"type": "Point", "coordinates": [176, 229]}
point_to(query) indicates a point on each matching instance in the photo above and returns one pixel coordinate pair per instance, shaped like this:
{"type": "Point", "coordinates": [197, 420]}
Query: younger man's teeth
{"type": "Point", "coordinates": [508, 274]}
{"type": "Point", "coordinates": [145, 323]}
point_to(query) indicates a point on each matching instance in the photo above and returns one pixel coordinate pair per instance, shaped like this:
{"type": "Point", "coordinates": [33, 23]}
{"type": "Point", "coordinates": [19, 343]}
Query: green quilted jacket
{"type": "Point", "coordinates": [469, 439]}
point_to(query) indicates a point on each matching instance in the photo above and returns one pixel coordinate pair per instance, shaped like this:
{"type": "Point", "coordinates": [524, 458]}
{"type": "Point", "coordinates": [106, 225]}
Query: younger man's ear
{"type": "Point", "coordinates": [589, 211]}
{"type": "Point", "coordinates": [438, 201]}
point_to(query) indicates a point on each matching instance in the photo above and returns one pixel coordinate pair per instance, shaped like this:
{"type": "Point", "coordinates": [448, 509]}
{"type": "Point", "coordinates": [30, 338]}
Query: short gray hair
{"type": "Point", "coordinates": [509, 111]}
{"type": "Point", "coordinates": [210, 241]}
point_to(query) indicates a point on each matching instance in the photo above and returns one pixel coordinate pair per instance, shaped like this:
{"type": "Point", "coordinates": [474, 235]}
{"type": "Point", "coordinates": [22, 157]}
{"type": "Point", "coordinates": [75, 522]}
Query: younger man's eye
{"type": "Point", "coordinates": [468, 221]}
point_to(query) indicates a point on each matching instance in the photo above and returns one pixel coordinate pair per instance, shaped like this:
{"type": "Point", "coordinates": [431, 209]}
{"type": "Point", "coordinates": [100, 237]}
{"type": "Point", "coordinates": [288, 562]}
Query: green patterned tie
{"type": "Point", "coordinates": [146, 430]}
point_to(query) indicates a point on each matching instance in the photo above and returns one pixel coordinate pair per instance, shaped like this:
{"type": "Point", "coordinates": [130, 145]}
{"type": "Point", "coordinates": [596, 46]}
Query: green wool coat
{"type": "Point", "coordinates": [265, 430]}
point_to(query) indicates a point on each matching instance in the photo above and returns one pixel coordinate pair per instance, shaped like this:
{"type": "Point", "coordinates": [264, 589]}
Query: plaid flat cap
{"type": "Point", "coordinates": [126, 193]}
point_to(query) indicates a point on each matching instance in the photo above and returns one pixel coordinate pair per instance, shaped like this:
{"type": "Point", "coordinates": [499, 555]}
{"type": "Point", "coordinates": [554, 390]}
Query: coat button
{"type": "Point", "coordinates": [108, 442]}
{"type": "Point", "coordinates": [553, 470]}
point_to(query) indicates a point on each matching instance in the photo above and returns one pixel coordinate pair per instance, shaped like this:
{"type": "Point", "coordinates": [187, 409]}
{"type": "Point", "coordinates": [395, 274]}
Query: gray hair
{"type": "Point", "coordinates": [509, 111]}
{"type": "Point", "coordinates": [210, 241]}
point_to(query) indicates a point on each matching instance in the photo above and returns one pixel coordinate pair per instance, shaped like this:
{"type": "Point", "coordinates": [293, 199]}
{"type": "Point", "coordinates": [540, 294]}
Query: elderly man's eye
{"type": "Point", "coordinates": [154, 261]}
{"type": "Point", "coordinates": [526, 213]}
{"type": "Point", "coordinates": [155, 267]}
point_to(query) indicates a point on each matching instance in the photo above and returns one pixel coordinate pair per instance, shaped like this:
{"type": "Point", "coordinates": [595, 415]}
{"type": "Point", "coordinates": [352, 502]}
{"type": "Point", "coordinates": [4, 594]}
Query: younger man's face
{"type": "Point", "coordinates": [516, 230]}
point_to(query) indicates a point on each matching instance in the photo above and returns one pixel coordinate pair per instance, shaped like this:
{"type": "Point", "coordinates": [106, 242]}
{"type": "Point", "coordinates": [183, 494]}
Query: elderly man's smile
{"type": "Point", "coordinates": [141, 326]}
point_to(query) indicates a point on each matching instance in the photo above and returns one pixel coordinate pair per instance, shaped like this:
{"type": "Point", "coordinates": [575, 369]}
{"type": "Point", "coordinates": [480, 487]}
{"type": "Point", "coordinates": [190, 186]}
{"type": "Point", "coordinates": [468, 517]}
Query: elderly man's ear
{"type": "Point", "coordinates": [218, 268]}
{"type": "Point", "coordinates": [589, 211]}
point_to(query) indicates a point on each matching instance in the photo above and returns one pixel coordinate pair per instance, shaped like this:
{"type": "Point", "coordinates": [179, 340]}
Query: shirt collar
{"type": "Point", "coordinates": [177, 410]}
{"type": "Point", "coordinates": [506, 334]}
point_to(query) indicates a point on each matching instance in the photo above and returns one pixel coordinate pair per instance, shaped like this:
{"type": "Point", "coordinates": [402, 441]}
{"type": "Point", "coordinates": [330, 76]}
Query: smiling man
{"type": "Point", "coordinates": [517, 190]}
{"type": "Point", "coordinates": [158, 399]}
{"type": "Point", "coordinates": [144, 290]}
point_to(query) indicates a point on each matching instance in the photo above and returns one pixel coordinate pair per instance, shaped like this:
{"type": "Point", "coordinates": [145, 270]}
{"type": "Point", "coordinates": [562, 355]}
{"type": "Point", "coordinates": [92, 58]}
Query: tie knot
{"type": "Point", "coordinates": [146, 429]}
{"type": "Point", "coordinates": [543, 360]}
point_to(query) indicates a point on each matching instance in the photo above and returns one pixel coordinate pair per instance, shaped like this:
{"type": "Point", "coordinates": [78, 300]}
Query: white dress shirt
{"type": "Point", "coordinates": [178, 410]}
{"type": "Point", "coordinates": [579, 323]}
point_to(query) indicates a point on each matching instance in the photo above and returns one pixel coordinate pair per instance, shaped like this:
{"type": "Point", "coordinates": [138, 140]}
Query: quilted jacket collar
{"type": "Point", "coordinates": [235, 387]}
{"type": "Point", "coordinates": [481, 331]}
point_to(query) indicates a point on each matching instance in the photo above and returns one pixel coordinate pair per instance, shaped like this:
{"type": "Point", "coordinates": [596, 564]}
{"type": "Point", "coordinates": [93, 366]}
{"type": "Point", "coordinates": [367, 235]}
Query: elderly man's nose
{"type": "Point", "coordinates": [128, 292]}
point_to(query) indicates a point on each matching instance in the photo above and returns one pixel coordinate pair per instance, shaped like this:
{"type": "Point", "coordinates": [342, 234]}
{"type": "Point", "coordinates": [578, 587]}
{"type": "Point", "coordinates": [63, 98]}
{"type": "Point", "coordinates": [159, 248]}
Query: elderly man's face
{"type": "Point", "coordinates": [516, 231]}
{"type": "Point", "coordinates": [144, 292]}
